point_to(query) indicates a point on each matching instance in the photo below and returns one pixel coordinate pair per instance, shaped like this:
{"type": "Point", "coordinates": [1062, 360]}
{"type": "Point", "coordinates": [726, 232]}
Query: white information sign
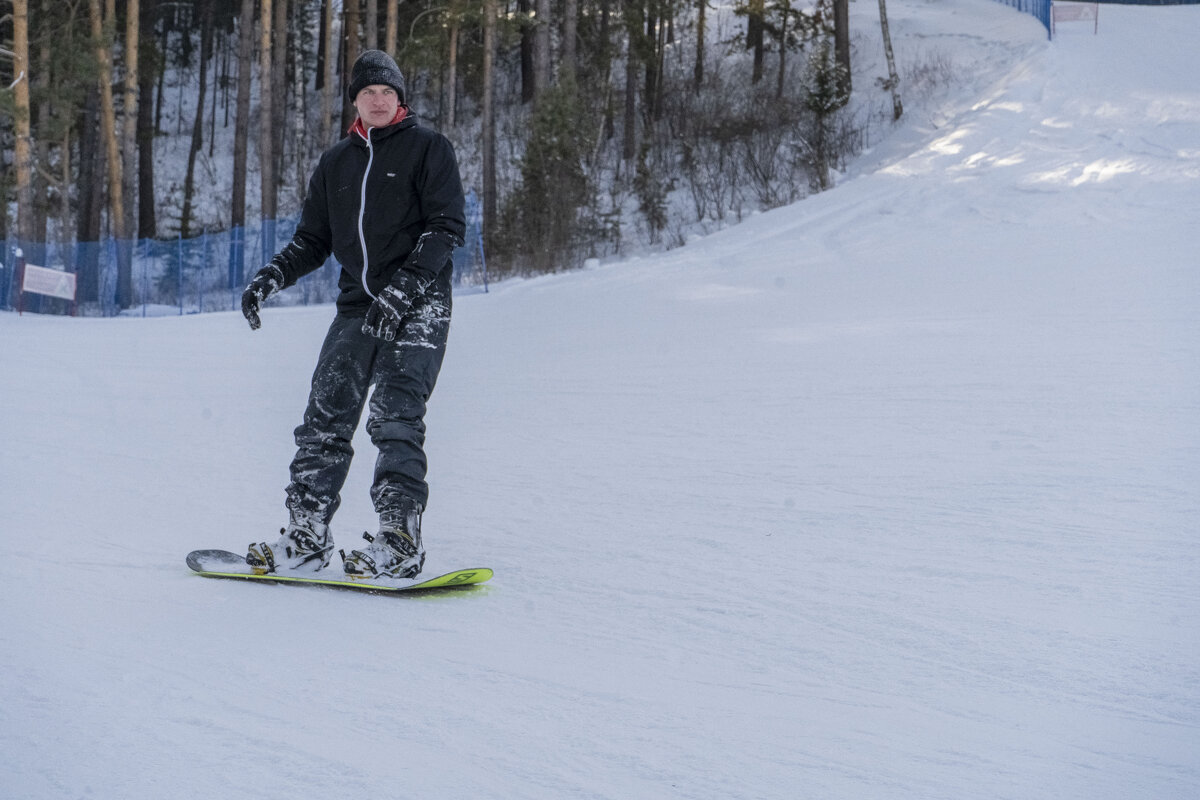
{"type": "Point", "coordinates": [52, 282]}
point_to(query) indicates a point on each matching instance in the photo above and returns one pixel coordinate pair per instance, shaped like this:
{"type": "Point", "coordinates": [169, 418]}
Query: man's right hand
{"type": "Point", "coordinates": [267, 282]}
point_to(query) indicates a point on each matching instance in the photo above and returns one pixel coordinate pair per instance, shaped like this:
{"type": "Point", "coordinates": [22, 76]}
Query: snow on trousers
{"type": "Point", "coordinates": [404, 373]}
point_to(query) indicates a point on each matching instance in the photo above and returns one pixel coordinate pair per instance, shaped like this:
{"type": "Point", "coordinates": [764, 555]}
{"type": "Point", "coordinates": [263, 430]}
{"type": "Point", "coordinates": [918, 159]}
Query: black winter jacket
{"type": "Point", "coordinates": [391, 201]}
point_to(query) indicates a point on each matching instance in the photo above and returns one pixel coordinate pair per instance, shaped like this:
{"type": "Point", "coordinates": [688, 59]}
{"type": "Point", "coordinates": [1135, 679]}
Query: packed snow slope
{"type": "Point", "coordinates": [888, 494]}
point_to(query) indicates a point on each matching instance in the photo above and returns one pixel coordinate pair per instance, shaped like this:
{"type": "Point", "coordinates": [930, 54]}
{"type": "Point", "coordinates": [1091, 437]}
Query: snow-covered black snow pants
{"type": "Point", "coordinates": [404, 373]}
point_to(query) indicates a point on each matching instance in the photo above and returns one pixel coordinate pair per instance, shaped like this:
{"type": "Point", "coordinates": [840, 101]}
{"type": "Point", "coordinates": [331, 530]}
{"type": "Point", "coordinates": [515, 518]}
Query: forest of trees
{"type": "Point", "coordinates": [580, 124]}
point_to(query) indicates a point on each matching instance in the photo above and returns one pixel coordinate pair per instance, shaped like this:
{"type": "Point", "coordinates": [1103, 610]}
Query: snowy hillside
{"type": "Point", "coordinates": [888, 494]}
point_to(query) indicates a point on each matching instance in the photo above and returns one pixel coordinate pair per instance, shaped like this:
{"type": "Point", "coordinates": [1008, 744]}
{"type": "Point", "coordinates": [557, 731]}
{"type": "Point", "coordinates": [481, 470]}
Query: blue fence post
{"type": "Point", "coordinates": [202, 270]}
{"type": "Point", "coordinates": [179, 274]}
{"type": "Point", "coordinates": [268, 239]}
{"type": "Point", "coordinates": [260, 239]}
{"type": "Point", "coordinates": [111, 269]}
{"type": "Point", "coordinates": [153, 257]}
{"type": "Point", "coordinates": [477, 220]}
{"type": "Point", "coordinates": [10, 272]}
{"type": "Point", "coordinates": [237, 238]}
{"type": "Point", "coordinates": [4, 270]}
{"type": "Point", "coordinates": [145, 276]}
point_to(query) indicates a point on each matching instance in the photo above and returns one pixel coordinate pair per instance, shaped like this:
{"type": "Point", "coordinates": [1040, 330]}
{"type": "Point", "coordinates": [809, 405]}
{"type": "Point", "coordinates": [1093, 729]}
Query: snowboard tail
{"type": "Point", "coordinates": [224, 564]}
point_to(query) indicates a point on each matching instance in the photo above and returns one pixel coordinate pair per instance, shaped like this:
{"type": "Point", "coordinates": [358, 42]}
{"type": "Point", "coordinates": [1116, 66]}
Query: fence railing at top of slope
{"type": "Point", "coordinates": [1038, 8]}
{"type": "Point", "coordinates": [194, 275]}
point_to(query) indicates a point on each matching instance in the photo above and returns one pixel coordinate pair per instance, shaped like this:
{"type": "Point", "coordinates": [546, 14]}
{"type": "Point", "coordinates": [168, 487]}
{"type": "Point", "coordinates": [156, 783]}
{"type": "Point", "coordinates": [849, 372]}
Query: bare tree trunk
{"type": "Point", "coordinates": [783, 32]}
{"type": "Point", "coordinates": [164, 43]}
{"type": "Point", "coordinates": [189, 182]}
{"type": "Point", "coordinates": [65, 183]}
{"type": "Point", "coordinates": [147, 215]}
{"type": "Point", "coordinates": [568, 62]}
{"type": "Point", "coordinates": [46, 56]}
{"type": "Point", "coordinates": [655, 99]}
{"type": "Point", "coordinates": [89, 188]}
{"type": "Point", "coordinates": [40, 87]}
{"type": "Point", "coordinates": [633, 32]}
{"type": "Point", "coordinates": [129, 103]}
{"type": "Point", "coordinates": [390, 24]}
{"type": "Point", "coordinates": [528, 79]}
{"type": "Point", "coordinates": [327, 74]}
{"type": "Point", "coordinates": [451, 70]}
{"type": "Point", "coordinates": [489, 120]}
{"type": "Point", "coordinates": [108, 131]}
{"type": "Point", "coordinates": [300, 106]}
{"type": "Point", "coordinates": [280, 118]}
{"type": "Point", "coordinates": [701, 32]}
{"type": "Point", "coordinates": [893, 82]}
{"type": "Point", "coordinates": [241, 136]}
{"type": "Point", "coordinates": [371, 32]}
{"type": "Point", "coordinates": [651, 60]}
{"type": "Point", "coordinates": [350, 38]}
{"type": "Point", "coordinates": [542, 71]}
{"type": "Point", "coordinates": [608, 125]}
{"type": "Point", "coordinates": [755, 28]}
{"type": "Point", "coordinates": [220, 90]}
{"type": "Point", "coordinates": [266, 136]}
{"type": "Point", "coordinates": [23, 147]}
{"type": "Point", "coordinates": [841, 42]}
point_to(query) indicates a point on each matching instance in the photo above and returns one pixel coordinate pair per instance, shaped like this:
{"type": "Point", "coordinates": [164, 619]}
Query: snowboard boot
{"type": "Point", "coordinates": [394, 552]}
{"type": "Point", "coordinates": [305, 545]}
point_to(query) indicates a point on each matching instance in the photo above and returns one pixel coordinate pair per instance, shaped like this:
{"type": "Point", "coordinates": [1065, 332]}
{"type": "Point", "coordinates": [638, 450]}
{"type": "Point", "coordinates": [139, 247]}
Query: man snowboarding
{"type": "Point", "coordinates": [387, 202]}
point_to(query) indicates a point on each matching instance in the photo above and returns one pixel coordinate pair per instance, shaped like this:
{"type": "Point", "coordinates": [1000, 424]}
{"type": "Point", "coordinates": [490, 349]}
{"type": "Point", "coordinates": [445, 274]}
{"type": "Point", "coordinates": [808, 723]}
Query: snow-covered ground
{"type": "Point", "coordinates": [888, 494]}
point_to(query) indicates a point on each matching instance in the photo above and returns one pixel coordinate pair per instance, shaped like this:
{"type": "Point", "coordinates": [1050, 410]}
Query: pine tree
{"type": "Point", "coordinates": [543, 226]}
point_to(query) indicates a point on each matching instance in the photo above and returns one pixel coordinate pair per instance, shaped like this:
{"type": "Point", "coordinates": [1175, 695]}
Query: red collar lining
{"type": "Point", "coordinates": [361, 130]}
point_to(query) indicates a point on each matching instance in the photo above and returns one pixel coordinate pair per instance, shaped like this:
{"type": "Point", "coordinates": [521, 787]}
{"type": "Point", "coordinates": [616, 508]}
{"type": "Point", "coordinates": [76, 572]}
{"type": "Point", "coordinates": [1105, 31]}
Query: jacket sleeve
{"type": "Point", "coordinates": [442, 209]}
{"type": "Point", "coordinates": [312, 243]}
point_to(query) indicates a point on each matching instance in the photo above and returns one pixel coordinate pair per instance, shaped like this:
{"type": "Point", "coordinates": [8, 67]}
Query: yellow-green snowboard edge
{"type": "Point", "coordinates": [224, 564]}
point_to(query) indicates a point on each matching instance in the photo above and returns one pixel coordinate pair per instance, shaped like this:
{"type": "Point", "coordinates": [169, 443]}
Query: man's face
{"type": "Point", "coordinates": [377, 104]}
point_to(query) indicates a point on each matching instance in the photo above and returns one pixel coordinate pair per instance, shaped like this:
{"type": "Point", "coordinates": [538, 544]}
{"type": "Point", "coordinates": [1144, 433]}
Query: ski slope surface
{"type": "Point", "coordinates": [892, 493]}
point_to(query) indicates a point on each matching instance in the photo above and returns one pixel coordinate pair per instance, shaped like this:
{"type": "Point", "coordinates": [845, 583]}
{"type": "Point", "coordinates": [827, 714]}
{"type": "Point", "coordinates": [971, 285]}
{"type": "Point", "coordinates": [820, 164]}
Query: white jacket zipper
{"type": "Point", "coordinates": [362, 209]}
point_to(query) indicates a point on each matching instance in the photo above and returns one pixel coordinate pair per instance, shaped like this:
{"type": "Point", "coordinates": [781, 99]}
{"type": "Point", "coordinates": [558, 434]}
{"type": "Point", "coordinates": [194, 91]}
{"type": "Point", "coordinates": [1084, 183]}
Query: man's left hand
{"type": "Point", "coordinates": [393, 304]}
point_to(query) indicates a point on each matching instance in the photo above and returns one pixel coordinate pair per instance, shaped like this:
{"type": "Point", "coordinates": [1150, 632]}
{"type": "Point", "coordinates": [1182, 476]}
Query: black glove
{"type": "Point", "coordinates": [392, 305]}
{"type": "Point", "coordinates": [267, 282]}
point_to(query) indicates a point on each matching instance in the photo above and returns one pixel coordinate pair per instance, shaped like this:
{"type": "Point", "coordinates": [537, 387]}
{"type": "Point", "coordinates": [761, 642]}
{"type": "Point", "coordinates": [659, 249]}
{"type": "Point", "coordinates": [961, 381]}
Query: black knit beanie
{"type": "Point", "coordinates": [372, 67]}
